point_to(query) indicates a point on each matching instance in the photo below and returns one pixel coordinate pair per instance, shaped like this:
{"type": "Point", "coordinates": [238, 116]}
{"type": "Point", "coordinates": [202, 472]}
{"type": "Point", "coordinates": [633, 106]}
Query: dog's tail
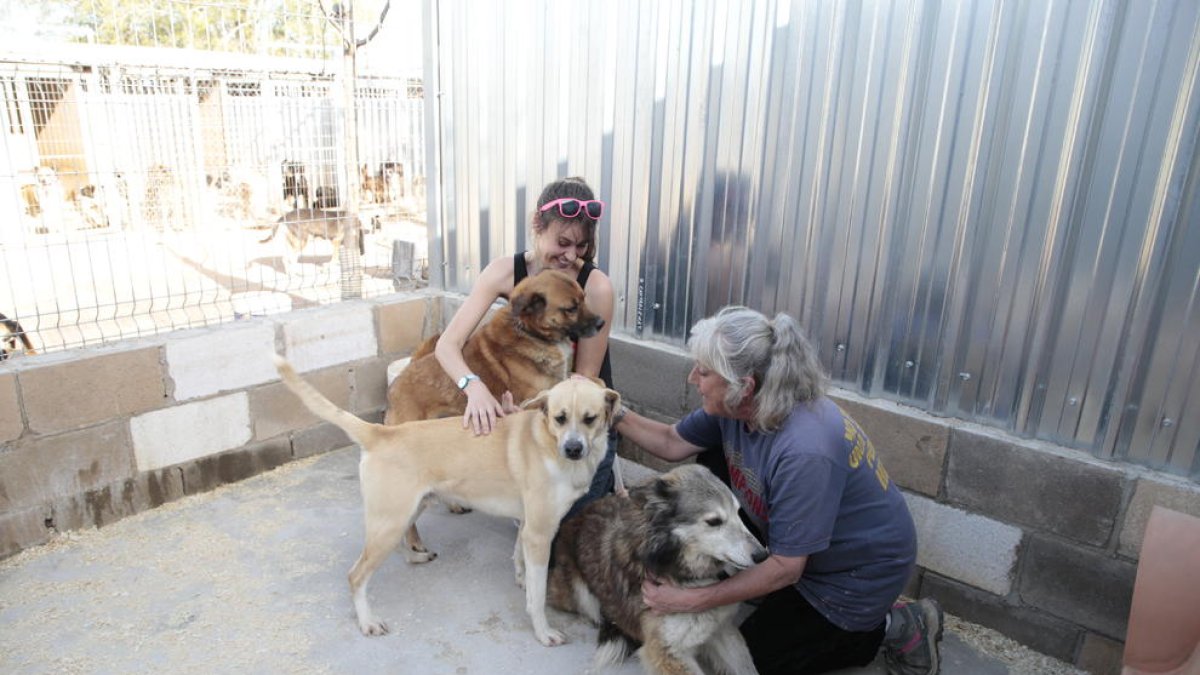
{"type": "Point", "coordinates": [613, 646]}
{"type": "Point", "coordinates": [358, 430]}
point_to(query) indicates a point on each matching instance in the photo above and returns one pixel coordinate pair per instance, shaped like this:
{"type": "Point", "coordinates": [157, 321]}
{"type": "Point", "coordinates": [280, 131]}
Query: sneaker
{"type": "Point", "coordinates": [915, 650]}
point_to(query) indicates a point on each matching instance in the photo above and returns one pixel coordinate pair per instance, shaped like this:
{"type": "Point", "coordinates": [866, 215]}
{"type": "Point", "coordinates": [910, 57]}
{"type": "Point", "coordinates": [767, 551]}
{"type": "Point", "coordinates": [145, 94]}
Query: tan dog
{"type": "Point", "coordinates": [532, 467]}
{"type": "Point", "coordinates": [524, 348]}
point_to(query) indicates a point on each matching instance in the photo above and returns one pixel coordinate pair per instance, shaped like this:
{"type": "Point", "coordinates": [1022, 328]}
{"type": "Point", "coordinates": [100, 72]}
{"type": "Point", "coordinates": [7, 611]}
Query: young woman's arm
{"type": "Point", "coordinates": [589, 353]}
{"type": "Point", "coordinates": [495, 281]}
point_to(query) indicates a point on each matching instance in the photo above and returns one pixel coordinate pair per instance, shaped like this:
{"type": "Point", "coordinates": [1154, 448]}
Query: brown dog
{"type": "Point", "coordinates": [305, 224]}
{"type": "Point", "coordinates": [532, 468]}
{"type": "Point", "coordinates": [524, 348]}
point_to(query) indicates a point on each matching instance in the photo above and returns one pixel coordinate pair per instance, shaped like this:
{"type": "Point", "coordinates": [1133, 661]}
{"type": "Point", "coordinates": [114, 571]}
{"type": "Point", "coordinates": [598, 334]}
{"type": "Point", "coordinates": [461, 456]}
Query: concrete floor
{"type": "Point", "coordinates": [251, 578]}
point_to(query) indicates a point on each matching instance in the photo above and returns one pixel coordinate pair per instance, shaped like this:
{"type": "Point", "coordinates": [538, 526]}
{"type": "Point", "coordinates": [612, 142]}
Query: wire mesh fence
{"type": "Point", "coordinates": [174, 164]}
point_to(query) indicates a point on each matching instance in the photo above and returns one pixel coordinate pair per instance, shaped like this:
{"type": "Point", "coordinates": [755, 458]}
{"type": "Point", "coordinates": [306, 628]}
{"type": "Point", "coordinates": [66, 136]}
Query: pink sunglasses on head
{"type": "Point", "coordinates": [571, 208]}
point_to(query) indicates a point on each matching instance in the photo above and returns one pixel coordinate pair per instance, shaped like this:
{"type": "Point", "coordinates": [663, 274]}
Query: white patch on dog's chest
{"type": "Point", "coordinates": [687, 631]}
{"type": "Point", "coordinates": [576, 483]}
{"type": "Point", "coordinates": [568, 354]}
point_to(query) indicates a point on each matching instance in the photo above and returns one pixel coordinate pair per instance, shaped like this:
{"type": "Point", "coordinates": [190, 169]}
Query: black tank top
{"type": "Point", "coordinates": [520, 271]}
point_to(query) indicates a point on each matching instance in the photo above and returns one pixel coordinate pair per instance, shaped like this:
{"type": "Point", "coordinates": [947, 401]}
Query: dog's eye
{"type": "Point", "coordinates": [588, 419]}
{"type": "Point", "coordinates": [714, 522]}
{"type": "Point", "coordinates": [561, 418]}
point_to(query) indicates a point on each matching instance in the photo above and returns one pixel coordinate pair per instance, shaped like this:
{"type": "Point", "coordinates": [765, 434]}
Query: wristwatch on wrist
{"type": "Point", "coordinates": [466, 379]}
{"type": "Point", "coordinates": [618, 416]}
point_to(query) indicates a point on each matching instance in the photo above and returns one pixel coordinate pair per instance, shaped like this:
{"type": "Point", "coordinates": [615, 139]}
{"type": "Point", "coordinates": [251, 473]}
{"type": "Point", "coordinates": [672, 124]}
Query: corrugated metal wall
{"type": "Point", "coordinates": [985, 209]}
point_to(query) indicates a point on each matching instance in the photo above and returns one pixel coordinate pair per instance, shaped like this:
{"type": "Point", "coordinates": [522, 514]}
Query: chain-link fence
{"type": "Point", "coordinates": [175, 164]}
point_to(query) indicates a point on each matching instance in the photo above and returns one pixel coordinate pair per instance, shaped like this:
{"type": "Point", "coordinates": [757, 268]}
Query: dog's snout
{"type": "Point", "coordinates": [573, 448]}
{"type": "Point", "coordinates": [586, 328]}
{"type": "Point", "coordinates": [759, 555]}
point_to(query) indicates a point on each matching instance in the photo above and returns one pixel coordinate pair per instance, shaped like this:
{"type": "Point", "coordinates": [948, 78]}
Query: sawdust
{"type": "Point", "coordinates": [1020, 659]}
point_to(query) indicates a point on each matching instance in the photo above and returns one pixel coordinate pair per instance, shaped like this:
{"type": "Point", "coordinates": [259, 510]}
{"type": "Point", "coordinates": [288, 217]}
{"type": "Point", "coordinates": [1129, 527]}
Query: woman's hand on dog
{"type": "Point", "coordinates": [664, 597]}
{"type": "Point", "coordinates": [483, 410]}
{"type": "Point", "coordinates": [507, 403]}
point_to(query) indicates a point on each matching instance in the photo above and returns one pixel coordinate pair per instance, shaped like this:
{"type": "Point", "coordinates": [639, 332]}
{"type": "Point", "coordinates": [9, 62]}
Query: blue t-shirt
{"type": "Point", "coordinates": [816, 487]}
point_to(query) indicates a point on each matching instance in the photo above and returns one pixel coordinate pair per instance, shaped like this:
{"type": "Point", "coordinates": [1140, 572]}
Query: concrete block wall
{"type": "Point", "coordinates": [90, 436]}
{"type": "Point", "coordinates": [1036, 541]}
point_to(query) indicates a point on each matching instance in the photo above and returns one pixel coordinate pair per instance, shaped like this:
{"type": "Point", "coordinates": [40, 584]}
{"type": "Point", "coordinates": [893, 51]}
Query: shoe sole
{"type": "Point", "coordinates": [935, 655]}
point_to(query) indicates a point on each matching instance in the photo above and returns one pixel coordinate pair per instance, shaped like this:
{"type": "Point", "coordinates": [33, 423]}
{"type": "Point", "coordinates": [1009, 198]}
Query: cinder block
{"type": "Point", "coordinates": [207, 473]}
{"type": "Point", "coordinates": [913, 448]}
{"type": "Point", "coordinates": [1100, 656]}
{"type": "Point", "coordinates": [651, 375]}
{"type": "Point", "coordinates": [965, 547]}
{"type": "Point", "coordinates": [162, 486]}
{"type": "Point", "coordinates": [449, 306]}
{"type": "Point", "coordinates": [632, 451]}
{"type": "Point", "coordinates": [61, 396]}
{"type": "Point", "coordinates": [334, 335]}
{"type": "Point", "coordinates": [275, 410]}
{"type": "Point", "coordinates": [23, 529]}
{"type": "Point", "coordinates": [370, 385]}
{"type": "Point", "coordinates": [43, 468]}
{"type": "Point", "coordinates": [119, 499]}
{"type": "Point", "coordinates": [1034, 629]}
{"type": "Point", "coordinates": [635, 474]}
{"type": "Point", "coordinates": [319, 440]}
{"type": "Point", "coordinates": [165, 437]}
{"type": "Point", "coordinates": [11, 425]}
{"type": "Point", "coordinates": [1173, 493]}
{"type": "Point", "coordinates": [1085, 586]}
{"type": "Point", "coordinates": [213, 361]}
{"type": "Point", "coordinates": [404, 324]}
{"type": "Point", "coordinates": [1063, 493]}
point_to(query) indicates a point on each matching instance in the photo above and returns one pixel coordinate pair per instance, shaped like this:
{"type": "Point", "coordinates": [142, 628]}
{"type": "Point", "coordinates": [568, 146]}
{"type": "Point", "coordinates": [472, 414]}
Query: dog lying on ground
{"type": "Point", "coordinates": [683, 527]}
{"type": "Point", "coordinates": [532, 468]}
{"type": "Point", "coordinates": [12, 333]}
{"type": "Point", "coordinates": [305, 224]}
{"type": "Point", "coordinates": [524, 348]}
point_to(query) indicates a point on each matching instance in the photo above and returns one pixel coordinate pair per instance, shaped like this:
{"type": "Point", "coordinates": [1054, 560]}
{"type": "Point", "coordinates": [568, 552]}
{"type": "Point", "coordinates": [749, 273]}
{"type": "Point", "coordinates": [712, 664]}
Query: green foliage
{"type": "Point", "coordinates": [270, 27]}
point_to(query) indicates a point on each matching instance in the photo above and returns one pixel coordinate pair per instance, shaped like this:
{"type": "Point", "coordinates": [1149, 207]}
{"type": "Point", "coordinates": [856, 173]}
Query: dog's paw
{"type": "Point", "coordinates": [418, 556]}
{"type": "Point", "coordinates": [552, 638]}
{"type": "Point", "coordinates": [372, 628]}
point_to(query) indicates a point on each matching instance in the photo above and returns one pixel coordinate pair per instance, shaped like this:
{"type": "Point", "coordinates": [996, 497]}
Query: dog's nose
{"type": "Point", "coordinates": [573, 449]}
{"type": "Point", "coordinates": [760, 555]}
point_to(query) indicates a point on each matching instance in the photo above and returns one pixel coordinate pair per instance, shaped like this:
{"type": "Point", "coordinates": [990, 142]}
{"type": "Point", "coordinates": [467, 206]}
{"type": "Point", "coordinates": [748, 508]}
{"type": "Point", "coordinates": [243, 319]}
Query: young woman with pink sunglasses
{"type": "Point", "coordinates": [564, 238]}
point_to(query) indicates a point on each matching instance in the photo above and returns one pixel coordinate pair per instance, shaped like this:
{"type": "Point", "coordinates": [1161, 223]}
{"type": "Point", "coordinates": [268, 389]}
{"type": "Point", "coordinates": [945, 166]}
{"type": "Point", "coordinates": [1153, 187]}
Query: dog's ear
{"type": "Point", "coordinates": [613, 401]}
{"type": "Point", "coordinates": [661, 547]}
{"type": "Point", "coordinates": [537, 402]}
{"type": "Point", "coordinates": [529, 304]}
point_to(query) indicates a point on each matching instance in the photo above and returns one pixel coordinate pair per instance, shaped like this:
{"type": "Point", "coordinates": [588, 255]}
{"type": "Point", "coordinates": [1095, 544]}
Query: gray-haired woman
{"type": "Point", "coordinates": [842, 541]}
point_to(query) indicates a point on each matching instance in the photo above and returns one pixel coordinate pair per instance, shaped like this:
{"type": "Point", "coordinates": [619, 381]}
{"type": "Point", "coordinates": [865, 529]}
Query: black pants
{"type": "Point", "coordinates": [787, 635]}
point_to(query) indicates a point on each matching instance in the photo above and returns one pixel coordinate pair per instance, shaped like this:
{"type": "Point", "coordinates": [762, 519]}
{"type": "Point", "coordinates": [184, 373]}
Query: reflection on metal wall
{"type": "Point", "coordinates": [988, 210]}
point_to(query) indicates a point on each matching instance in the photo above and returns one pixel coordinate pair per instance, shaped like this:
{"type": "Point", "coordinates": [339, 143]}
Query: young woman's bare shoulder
{"type": "Point", "coordinates": [498, 276]}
